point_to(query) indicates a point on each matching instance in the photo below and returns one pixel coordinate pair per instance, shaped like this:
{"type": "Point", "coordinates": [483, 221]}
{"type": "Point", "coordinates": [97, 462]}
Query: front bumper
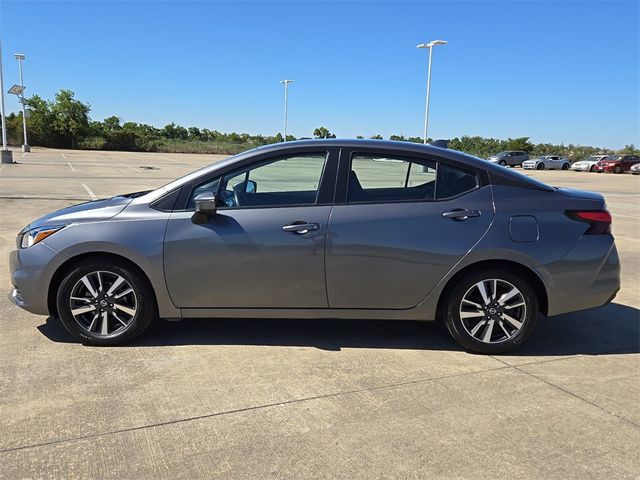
{"type": "Point", "coordinates": [580, 168]}
{"type": "Point", "coordinates": [599, 168]}
{"type": "Point", "coordinates": [31, 272]}
{"type": "Point", "coordinates": [529, 166]}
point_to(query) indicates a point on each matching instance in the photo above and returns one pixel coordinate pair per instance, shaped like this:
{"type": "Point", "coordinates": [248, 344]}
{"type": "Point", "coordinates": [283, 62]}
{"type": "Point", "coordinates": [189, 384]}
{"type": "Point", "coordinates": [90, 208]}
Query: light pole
{"type": "Point", "coordinates": [286, 92]}
{"type": "Point", "coordinates": [25, 146]}
{"type": "Point", "coordinates": [430, 46]}
{"type": "Point", "coordinates": [6, 156]}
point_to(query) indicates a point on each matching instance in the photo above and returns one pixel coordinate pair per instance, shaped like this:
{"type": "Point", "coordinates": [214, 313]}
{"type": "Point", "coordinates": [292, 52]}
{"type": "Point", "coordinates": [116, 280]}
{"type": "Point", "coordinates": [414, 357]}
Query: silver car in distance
{"type": "Point", "coordinates": [325, 229]}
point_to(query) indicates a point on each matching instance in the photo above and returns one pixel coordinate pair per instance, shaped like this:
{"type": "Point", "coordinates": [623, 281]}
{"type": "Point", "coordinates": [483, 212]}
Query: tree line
{"type": "Point", "coordinates": [64, 122]}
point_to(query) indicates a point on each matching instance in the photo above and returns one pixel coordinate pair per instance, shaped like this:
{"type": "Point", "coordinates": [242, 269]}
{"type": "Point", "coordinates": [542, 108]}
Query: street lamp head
{"type": "Point", "coordinates": [433, 43]}
{"type": "Point", "coordinates": [286, 81]}
{"type": "Point", "coordinates": [19, 56]}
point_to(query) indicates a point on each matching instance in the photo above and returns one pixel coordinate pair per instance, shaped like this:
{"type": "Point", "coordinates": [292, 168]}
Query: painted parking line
{"type": "Point", "coordinates": [63, 156]}
{"type": "Point", "coordinates": [91, 194]}
{"type": "Point", "coordinates": [1, 167]}
{"type": "Point", "coordinates": [71, 167]}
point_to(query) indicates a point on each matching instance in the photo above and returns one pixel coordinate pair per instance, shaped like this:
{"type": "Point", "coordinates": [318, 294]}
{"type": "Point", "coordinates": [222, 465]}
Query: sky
{"type": "Point", "coordinates": [558, 72]}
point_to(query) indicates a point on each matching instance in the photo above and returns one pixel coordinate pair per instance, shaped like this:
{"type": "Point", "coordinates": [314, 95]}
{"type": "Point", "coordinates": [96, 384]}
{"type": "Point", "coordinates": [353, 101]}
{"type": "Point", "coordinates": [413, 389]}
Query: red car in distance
{"type": "Point", "coordinates": [616, 163]}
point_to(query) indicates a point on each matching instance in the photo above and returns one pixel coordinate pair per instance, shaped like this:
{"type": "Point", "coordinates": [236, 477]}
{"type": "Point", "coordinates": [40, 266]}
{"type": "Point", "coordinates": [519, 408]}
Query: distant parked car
{"type": "Point", "coordinates": [588, 164]}
{"type": "Point", "coordinates": [550, 162]}
{"type": "Point", "coordinates": [617, 163]}
{"type": "Point", "coordinates": [511, 158]}
{"type": "Point", "coordinates": [635, 169]}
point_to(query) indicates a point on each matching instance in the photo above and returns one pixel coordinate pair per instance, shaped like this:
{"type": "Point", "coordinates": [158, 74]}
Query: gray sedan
{"type": "Point", "coordinates": [325, 229]}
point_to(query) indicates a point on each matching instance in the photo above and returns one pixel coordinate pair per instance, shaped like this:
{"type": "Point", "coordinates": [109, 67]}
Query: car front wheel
{"type": "Point", "coordinates": [491, 311]}
{"type": "Point", "coordinates": [105, 302]}
{"type": "Point", "coordinates": [540, 166]}
{"type": "Point", "coordinates": [617, 169]}
{"type": "Point", "coordinates": [503, 163]}
{"type": "Point", "coordinates": [593, 168]}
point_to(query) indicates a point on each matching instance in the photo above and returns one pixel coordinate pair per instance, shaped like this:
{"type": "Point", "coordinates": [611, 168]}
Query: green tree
{"type": "Point", "coordinates": [194, 133]}
{"type": "Point", "coordinates": [323, 132]}
{"type": "Point", "coordinates": [521, 143]}
{"type": "Point", "coordinates": [376, 137]}
{"type": "Point", "coordinates": [39, 122]}
{"type": "Point", "coordinates": [70, 118]}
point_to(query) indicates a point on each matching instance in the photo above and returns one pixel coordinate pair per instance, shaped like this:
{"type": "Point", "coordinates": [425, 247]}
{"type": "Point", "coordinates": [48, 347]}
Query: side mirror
{"type": "Point", "coordinates": [205, 208]}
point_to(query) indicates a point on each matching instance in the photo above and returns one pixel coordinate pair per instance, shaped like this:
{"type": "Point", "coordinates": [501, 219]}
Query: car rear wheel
{"type": "Point", "coordinates": [617, 169]}
{"type": "Point", "coordinates": [540, 166]}
{"type": "Point", "coordinates": [565, 166]}
{"type": "Point", "coordinates": [105, 302]}
{"type": "Point", "coordinates": [491, 311]}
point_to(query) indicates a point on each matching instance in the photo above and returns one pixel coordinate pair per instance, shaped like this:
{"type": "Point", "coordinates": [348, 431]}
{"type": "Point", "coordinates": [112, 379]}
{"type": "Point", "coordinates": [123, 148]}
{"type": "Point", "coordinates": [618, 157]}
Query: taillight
{"type": "Point", "coordinates": [599, 221]}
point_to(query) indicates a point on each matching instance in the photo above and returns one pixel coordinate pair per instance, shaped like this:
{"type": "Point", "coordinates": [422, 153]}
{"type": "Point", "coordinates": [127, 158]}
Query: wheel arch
{"type": "Point", "coordinates": [515, 267]}
{"type": "Point", "coordinates": [65, 267]}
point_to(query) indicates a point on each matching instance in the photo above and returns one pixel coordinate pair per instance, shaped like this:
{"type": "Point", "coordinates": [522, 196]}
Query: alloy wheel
{"type": "Point", "coordinates": [493, 311]}
{"type": "Point", "coordinates": [103, 303]}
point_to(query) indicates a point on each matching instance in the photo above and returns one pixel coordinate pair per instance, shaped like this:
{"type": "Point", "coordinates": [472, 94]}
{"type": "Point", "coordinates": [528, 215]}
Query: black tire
{"type": "Point", "coordinates": [617, 169]}
{"type": "Point", "coordinates": [593, 168]}
{"type": "Point", "coordinates": [503, 163]}
{"type": "Point", "coordinates": [460, 333]}
{"type": "Point", "coordinates": [565, 166]}
{"type": "Point", "coordinates": [540, 166]}
{"type": "Point", "coordinates": [145, 307]}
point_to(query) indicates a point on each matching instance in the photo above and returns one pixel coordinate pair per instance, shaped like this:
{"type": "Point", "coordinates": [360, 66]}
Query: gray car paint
{"type": "Point", "coordinates": [577, 271]}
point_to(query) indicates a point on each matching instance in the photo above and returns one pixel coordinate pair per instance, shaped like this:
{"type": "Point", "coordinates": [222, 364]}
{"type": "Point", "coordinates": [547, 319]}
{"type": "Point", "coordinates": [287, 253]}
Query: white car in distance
{"type": "Point", "coordinates": [548, 162]}
{"type": "Point", "coordinates": [587, 165]}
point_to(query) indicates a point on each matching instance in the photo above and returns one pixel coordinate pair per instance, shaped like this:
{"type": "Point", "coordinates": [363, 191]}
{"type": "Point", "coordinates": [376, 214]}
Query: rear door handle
{"type": "Point", "coordinates": [461, 214]}
{"type": "Point", "coordinates": [300, 228]}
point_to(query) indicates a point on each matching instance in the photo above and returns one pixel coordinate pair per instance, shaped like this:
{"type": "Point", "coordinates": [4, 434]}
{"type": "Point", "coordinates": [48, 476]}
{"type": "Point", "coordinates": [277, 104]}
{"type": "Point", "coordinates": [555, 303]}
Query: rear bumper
{"type": "Point", "coordinates": [587, 277]}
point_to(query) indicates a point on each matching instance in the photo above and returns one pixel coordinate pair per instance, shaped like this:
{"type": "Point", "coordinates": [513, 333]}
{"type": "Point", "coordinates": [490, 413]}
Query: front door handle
{"type": "Point", "coordinates": [300, 227]}
{"type": "Point", "coordinates": [461, 214]}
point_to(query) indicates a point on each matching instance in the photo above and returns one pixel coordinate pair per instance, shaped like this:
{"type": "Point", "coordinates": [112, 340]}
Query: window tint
{"type": "Point", "coordinates": [453, 181]}
{"type": "Point", "coordinates": [387, 179]}
{"type": "Point", "coordinates": [292, 180]}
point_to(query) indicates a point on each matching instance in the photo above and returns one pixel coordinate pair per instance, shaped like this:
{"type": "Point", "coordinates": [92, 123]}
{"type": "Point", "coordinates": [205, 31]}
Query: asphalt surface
{"type": "Point", "coordinates": [310, 399]}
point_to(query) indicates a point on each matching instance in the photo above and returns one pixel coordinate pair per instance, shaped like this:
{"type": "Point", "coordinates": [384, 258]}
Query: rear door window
{"type": "Point", "coordinates": [454, 181]}
{"type": "Point", "coordinates": [381, 179]}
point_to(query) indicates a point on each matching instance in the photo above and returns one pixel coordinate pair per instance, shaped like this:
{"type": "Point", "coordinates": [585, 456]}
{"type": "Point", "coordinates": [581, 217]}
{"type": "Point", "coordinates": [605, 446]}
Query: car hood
{"type": "Point", "coordinates": [85, 212]}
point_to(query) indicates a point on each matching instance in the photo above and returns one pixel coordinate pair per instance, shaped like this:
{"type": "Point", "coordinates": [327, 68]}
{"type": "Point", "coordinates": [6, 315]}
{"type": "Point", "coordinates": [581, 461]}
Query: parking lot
{"type": "Point", "coordinates": [310, 399]}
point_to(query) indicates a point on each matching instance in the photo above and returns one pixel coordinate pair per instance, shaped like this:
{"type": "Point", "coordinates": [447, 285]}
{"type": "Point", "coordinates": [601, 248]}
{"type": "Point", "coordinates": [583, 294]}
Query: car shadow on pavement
{"type": "Point", "coordinates": [613, 328]}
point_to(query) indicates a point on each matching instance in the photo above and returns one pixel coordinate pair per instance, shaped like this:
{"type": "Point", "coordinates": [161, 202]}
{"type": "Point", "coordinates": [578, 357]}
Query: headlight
{"type": "Point", "coordinates": [36, 235]}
